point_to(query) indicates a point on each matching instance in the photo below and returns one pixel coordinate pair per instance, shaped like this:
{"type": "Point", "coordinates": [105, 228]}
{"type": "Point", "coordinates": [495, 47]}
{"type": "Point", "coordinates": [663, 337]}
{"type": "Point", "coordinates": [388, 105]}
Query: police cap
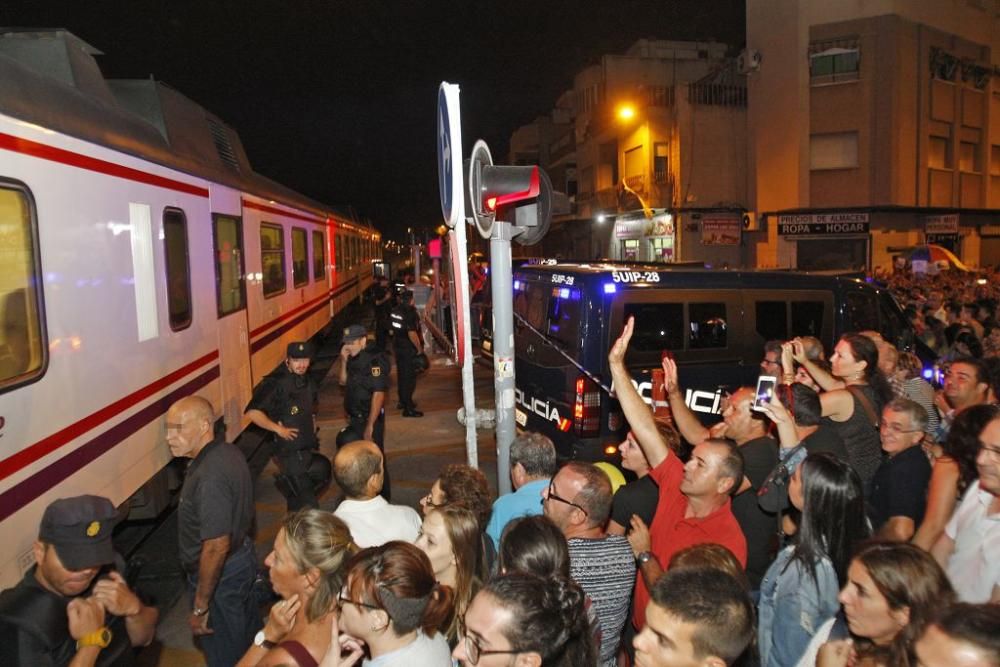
{"type": "Point", "coordinates": [300, 350]}
{"type": "Point", "coordinates": [354, 332]}
{"type": "Point", "coordinates": [80, 530]}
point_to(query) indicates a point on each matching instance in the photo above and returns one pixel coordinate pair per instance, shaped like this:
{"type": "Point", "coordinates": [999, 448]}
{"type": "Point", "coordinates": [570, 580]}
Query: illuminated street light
{"type": "Point", "coordinates": [626, 112]}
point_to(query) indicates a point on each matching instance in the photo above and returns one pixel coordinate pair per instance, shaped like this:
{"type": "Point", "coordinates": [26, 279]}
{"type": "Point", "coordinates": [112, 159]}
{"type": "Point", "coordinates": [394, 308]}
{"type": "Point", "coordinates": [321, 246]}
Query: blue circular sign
{"type": "Point", "coordinates": [445, 158]}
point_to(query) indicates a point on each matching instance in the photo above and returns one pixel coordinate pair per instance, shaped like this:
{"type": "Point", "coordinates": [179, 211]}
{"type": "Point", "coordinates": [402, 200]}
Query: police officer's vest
{"type": "Point", "coordinates": [295, 394]}
{"type": "Point", "coordinates": [42, 615]}
{"type": "Point", "coordinates": [401, 316]}
{"type": "Point", "coordinates": [361, 369]}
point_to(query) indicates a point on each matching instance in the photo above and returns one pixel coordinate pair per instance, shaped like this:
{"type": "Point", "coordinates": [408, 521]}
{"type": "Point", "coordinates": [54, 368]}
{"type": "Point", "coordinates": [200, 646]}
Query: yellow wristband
{"type": "Point", "coordinates": [100, 638]}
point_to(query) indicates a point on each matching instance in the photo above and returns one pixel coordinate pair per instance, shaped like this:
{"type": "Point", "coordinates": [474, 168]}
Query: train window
{"type": "Point", "coordinates": [319, 256]}
{"type": "Point", "coordinates": [23, 352]}
{"type": "Point", "coordinates": [707, 326]}
{"type": "Point", "coordinates": [175, 251]}
{"type": "Point", "coordinates": [338, 253]}
{"type": "Point", "coordinates": [229, 287]}
{"type": "Point", "coordinates": [272, 258]}
{"type": "Point", "coordinates": [300, 257]}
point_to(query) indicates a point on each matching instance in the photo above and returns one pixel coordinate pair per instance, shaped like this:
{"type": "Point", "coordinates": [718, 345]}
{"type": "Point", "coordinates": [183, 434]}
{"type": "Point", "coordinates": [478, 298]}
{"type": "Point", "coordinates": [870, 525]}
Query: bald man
{"type": "Point", "coordinates": [214, 518]}
{"type": "Point", "coordinates": [359, 470]}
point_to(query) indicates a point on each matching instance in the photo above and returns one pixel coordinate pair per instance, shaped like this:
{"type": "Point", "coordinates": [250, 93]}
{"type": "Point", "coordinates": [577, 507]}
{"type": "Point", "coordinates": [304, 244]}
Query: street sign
{"type": "Point", "coordinates": [449, 149]}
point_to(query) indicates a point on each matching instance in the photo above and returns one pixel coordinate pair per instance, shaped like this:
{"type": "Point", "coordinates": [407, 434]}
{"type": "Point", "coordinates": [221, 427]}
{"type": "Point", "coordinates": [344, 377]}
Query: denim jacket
{"type": "Point", "coordinates": [792, 607]}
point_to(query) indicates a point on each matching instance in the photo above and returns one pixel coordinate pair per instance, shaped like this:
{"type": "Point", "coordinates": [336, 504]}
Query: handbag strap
{"type": "Point", "coordinates": [865, 403]}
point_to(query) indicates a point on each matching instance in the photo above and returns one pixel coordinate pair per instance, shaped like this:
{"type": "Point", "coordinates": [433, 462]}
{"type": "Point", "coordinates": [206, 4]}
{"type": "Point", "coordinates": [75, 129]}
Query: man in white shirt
{"type": "Point", "coordinates": [971, 541]}
{"type": "Point", "coordinates": [359, 470]}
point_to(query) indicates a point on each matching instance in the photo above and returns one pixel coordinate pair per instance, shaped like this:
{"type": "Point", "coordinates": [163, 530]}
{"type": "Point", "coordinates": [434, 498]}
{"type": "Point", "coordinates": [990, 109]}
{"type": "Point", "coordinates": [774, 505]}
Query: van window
{"type": "Point", "coordinates": [772, 324]}
{"type": "Point", "coordinates": [658, 326]}
{"type": "Point", "coordinates": [807, 318]}
{"type": "Point", "coordinates": [23, 350]}
{"type": "Point", "coordinates": [530, 303]}
{"type": "Point", "coordinates": [564, 317]}
{"type": "Point", "coordinates": [707, 325]}
{"type": "Point", "coordinates": [860, 312]}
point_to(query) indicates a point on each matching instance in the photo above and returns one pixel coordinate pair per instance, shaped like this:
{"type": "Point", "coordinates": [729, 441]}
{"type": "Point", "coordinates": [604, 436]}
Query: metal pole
{"type": "Point", "coordinates": [503, 348]}
{"type": "Point", "coordinates": [463, 340]}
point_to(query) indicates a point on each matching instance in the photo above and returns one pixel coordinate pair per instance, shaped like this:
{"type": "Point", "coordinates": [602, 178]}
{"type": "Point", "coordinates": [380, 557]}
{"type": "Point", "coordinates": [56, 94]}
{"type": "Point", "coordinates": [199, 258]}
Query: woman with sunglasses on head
{"type": "Point", "coordinates": [799, 590]}
{"type": "Point", "coordinates": [305, 569]}
{"type": "Point", "coordinates": [451, 538]}
{"type": "Point", "coordinates": [525, 620]}
{"type": "Point", "coordinates": [893, 591]}
{"type": "Point", "coordinates": [459, 484]}
{"type": "Point", "coordinates": [392, 605]}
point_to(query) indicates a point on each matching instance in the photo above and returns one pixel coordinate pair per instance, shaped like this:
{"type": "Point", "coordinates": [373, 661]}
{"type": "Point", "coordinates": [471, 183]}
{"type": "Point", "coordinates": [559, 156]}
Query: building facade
{"type": "Point", "coordinates": [873, 127]}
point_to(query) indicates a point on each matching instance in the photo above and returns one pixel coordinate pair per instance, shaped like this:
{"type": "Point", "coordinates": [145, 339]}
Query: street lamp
{"type": "Point", "coordinates": [625, 112]}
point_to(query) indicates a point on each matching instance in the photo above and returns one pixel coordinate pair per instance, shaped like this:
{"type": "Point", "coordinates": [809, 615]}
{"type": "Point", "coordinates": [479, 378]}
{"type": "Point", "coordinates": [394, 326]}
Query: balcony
{"type": "Point", "coordinates": [714, 94]}
{"type": "Point", "coordinates": [636, 183]}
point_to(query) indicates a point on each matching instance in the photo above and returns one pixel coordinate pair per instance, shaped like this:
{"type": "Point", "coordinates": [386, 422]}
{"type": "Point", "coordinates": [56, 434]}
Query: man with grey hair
{"type": "Point", "coordinates": [578, 501]}
{"type": "Point", "coordinates": [899, 489]}
{"type": "Point", "coordinates": [359, 470]}
{"type": "Point", "coordinates": [532, 464]}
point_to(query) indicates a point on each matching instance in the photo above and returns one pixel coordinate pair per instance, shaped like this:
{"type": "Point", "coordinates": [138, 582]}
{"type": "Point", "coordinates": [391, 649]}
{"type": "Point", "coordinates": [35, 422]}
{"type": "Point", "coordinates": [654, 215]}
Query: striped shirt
{"type": "Point", "coordinates": [605, 570]}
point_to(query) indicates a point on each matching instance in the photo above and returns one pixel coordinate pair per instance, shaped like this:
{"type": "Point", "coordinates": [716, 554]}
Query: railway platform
{"type": "Point", "coordinates": [416, 450]}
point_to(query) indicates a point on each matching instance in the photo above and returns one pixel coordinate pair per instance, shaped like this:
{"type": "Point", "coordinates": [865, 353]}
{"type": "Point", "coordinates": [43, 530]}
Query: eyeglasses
{"type": "Point", "coordinates": [430, 503]}
{"type": "Point", "coordinates": [474, 651]}
{"type": "Point", "coordinates": [896, 429]}
{"type": "Point", "coordinates": [988, 449]}
{"type": "Point", "coordinates": [553, 496]}
{"type": "Point", "coordinates": [342, 598]}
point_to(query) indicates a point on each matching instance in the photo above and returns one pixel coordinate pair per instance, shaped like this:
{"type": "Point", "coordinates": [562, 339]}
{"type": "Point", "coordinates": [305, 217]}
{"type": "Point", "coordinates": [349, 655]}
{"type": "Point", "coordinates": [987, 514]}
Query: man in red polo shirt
{"type": "Point", "coordinates": [694, 505]}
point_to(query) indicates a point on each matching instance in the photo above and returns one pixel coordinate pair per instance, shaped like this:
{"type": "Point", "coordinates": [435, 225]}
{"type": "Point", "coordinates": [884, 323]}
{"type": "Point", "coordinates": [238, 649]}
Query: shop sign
{"type": "Point", "coordinates": [823, 223]}
{"type": "Point", "coordinates": [989, 230]}
{"type": "Point", "coordinates": [941, 224]}
{"type": "Point", "coordinates": [637, 228]}
{"type": "Point", "coordinates": [721, 229]}
{"type": "Point", "coordinates": [947, 240]}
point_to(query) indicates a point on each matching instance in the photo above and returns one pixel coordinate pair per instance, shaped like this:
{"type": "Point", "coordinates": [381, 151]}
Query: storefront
{"type": "Point", "coordinates": [641, 239]}
{"type": "Point", "coordinates": [825, 241]}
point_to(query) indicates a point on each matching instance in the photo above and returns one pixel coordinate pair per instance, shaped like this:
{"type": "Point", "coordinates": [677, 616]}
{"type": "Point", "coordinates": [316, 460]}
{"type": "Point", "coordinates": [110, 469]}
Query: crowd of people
{"type": "Point", "coordinates": [852, 519]}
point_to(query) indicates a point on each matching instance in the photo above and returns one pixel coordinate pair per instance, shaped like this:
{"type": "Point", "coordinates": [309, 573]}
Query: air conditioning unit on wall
{"type": "Point", "coordinates": [748, 61]}
{"type": "Point", "coordinates": [751, 223]}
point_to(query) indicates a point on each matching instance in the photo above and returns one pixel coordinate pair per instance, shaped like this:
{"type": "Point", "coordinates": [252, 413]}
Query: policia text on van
{"type": "Point", "coordinates": [714, 322]}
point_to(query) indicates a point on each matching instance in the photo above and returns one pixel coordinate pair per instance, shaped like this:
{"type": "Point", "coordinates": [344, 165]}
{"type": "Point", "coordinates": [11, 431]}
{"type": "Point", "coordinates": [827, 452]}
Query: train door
{"type": "Point", "coordinates": [233, 328]}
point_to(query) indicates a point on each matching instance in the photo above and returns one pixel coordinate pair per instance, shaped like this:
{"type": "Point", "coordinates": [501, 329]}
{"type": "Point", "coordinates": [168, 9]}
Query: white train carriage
{"type": "Point", "coordinates": [141, 260]}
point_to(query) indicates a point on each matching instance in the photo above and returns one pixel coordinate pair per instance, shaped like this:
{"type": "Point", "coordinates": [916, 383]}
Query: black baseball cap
{"type": "Point", "coordinates": [300, 350]}
{"type": "Point", "coordinates": [80, 531]}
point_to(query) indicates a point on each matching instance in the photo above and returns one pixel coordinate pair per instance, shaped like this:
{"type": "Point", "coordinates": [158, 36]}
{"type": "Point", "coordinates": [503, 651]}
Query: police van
{"type": "Point", "coordinates": [714, 323]}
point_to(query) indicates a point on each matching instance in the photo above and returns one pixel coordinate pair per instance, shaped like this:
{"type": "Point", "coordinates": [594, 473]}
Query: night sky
{"type": "Point", "coordinates": [338, 99]}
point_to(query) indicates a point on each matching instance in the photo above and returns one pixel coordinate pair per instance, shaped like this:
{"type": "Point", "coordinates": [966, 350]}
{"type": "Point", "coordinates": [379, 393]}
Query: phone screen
{"type": "Point", "coordinates": [765, 390]}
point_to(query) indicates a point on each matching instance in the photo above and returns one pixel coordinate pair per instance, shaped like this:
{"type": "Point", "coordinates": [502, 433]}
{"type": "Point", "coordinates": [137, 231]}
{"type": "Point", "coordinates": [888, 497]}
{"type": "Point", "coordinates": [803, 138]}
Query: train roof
{"type": "Point", "coordinates": [694, 275]}
{"type": "Point", "coordinates": [50, 78]}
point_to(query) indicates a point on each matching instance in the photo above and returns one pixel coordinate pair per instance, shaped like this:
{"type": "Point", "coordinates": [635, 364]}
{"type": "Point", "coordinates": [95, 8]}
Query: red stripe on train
{"type": "Point", "coordinates": [53, 154]}
{"type": "Point", "coordinates": [29, 455]}
{"type": "Point", "coordinates": [280, 211]}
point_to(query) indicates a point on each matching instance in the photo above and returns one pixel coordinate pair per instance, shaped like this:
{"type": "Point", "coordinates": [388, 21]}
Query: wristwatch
{"type": "Point", "coordinates": [260, 640]}
{"type": "Point", "coordinates": [644, 557]}
{"type": "Point", "coordinates": [100, 637]}
{"type": "Point", "coordinates": [199, 611]}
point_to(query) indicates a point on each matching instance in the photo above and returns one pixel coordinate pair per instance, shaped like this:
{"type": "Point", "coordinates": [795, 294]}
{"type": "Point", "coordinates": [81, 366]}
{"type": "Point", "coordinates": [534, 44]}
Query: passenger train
{"type": "Point", "coordinates": [141, 260]}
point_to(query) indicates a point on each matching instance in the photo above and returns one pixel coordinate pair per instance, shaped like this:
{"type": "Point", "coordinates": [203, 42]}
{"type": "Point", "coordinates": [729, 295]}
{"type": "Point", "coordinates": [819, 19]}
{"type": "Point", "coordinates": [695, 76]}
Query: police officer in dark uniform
{"type": "Point", "coordinates": [407, 346]}
{"type": "Point", "coordinates": [73, 606]}
{"type": "Point", "coordinates": [382, 296]}
{"type": "Point", "coordinates": [284, 403]}
{"type": "Point", "coordinates": [364, 373]}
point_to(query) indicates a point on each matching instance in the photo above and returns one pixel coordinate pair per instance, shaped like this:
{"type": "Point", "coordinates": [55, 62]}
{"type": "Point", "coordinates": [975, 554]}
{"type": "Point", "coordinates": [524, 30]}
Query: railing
{"type": "Point", "coordinates": [637, 183]}
{"type": "Point", "coordinates": [713, 94]}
